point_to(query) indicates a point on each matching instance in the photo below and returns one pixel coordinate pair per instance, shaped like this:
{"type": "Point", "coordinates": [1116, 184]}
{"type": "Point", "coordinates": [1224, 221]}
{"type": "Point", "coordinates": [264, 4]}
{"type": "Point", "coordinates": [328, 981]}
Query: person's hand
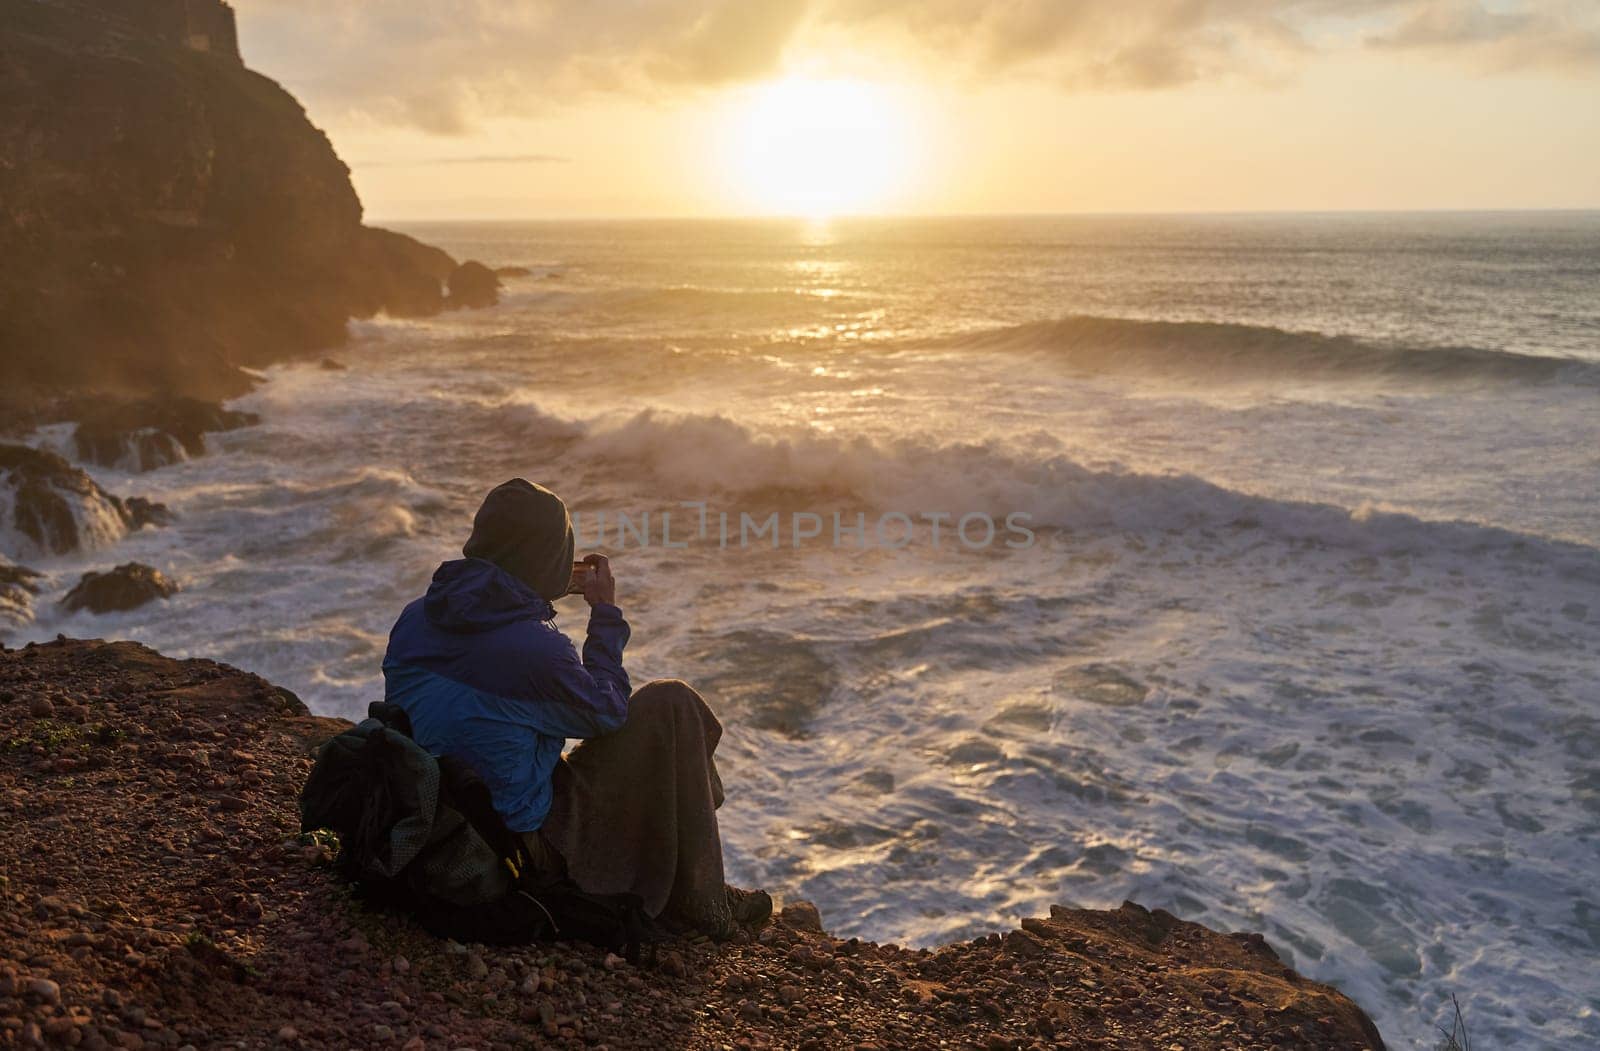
{"type": "Point", "coordinates": [600, 586]}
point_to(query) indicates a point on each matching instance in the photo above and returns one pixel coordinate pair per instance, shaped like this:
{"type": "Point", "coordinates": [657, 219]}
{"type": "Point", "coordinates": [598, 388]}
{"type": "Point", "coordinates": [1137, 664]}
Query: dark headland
{"type": "Point", "coordinates": [171, 218]}
{"type": "Point", "coordinates": [171, 221]}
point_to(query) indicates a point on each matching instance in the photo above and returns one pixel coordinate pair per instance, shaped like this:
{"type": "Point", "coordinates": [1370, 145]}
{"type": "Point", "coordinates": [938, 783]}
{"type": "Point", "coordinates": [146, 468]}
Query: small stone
{"type": "Point", "coordinates": [44, 990]}
{"type": "Point", "coordinates": [476, 967]}
{"type": "Point", "coordinates": [288, 1034]}
{"type": "Point", "coordinates": [41, 708]}
{"type": "Point", "coordinates": [750, 1011]}
{"type": "Point", "coordinates": [382, 1032]}
{"type": "Point", "coordinates": [402, 965]}
{"type": "Point", "coordinates": [802, 916]}
{"type": "Point", "coordinates": [673, 965]}
{"type": "Point", "coordinates": [1023, 944]}
{"type": "Point", "coordinates": [613, 961]}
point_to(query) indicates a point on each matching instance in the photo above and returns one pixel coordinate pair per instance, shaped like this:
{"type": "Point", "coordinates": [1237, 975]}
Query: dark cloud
{"type": "Point", "coordinates": [444, 67]}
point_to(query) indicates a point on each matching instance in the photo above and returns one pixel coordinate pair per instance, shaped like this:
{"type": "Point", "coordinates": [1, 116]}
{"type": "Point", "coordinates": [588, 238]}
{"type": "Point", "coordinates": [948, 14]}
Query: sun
{"type": "Point", "coordinates": [818, 147]}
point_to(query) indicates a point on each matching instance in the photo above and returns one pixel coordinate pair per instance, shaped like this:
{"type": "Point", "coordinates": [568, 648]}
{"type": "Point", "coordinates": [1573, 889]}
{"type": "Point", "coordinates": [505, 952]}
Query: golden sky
{"type": "Point", "coordinates": [578, 108]}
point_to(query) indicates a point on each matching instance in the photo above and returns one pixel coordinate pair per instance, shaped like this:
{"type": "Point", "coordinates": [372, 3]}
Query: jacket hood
{"type": "Point", "coordinates": [525, 530]}
{"type": "Point", "coordinates": [471, 594]}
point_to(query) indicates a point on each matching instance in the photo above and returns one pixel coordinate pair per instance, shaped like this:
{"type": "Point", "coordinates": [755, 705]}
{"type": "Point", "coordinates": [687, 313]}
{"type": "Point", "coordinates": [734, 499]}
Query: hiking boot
{"type": "Point", "coordinates": [750, 908]}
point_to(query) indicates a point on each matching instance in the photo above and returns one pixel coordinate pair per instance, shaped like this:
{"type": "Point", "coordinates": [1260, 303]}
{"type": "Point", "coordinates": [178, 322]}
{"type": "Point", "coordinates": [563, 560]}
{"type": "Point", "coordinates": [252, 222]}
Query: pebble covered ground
{"type": "Point", "coordinates": [155, 893]}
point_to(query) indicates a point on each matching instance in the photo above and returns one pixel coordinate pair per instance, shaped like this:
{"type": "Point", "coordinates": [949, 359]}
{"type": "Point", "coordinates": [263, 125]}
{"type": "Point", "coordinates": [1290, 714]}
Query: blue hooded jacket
{"type": "Point", "coordinates": [479, 666]}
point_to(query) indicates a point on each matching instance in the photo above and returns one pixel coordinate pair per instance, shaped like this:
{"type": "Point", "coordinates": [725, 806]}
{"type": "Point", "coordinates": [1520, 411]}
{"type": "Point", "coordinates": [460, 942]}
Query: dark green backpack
{"type": "Point", "coordinates": [420, 835]}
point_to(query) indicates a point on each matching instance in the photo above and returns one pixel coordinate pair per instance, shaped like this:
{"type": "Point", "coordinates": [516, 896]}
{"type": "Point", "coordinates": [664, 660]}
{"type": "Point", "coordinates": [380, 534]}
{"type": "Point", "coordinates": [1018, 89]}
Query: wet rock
{"type": "Point", "coordinates": [126, 587]}
{"type": "Point", "coordinates": [18, 589]}
{"type": "Point", "coordinates": [149, 433]}
{"type": "Point", "coordinates": [59, 508]}
{"type": "Point", "coordinates": [473, 285]}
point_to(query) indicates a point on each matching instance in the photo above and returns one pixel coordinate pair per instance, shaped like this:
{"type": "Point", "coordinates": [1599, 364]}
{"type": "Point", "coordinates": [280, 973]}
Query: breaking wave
{"type": "Point", "coordinates": [1230, 352]}
{"type": "Point", "coordinates": [691, 456]}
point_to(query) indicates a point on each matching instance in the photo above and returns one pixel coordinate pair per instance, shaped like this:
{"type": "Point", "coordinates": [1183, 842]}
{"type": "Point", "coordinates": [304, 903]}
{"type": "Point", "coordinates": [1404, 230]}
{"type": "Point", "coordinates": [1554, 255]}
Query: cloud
{"type": "Point", "coordinates": [1557, 37]}
{"type": "Point", "coordinates": [443, 68]}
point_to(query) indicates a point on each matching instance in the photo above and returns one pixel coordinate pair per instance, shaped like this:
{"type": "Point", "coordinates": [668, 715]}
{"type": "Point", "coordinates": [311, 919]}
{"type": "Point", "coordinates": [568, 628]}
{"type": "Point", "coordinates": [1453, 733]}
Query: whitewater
{"type": "Point", "coordinates": [1302, 636]}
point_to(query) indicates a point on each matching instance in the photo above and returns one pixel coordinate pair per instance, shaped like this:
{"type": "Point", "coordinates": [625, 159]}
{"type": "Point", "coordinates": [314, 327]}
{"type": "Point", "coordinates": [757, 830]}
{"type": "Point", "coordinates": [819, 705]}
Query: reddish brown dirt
{"type": "Point", "coordinates": [154, 893]}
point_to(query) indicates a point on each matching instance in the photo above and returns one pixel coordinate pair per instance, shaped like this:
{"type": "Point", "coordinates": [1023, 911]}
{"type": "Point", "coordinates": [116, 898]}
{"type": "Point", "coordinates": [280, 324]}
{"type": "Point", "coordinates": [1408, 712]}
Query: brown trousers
{"type": "Point", "coordinates": [636, 811]}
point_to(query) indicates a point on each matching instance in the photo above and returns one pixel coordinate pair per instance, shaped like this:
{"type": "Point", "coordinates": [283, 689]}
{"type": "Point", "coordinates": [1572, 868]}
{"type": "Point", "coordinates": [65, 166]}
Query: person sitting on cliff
{"type": "Point", "coordinates": [484, 675]}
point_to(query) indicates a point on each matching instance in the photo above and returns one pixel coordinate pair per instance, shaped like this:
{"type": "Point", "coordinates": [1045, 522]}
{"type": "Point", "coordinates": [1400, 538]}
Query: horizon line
{"type": "Point", "coordinates": [1085, 214]}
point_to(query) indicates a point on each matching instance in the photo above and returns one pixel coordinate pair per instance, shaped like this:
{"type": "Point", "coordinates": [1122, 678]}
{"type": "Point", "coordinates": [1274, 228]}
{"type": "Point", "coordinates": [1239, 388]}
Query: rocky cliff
{"type": "Point", "coordinates": [154, 893]}
{"type": "Point", "coordinates": [167, 215]}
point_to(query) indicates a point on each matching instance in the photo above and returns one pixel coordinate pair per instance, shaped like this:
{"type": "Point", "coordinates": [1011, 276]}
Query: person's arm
{"type": "Point", "coordinates": [602, 648]}
{"type": "Point", "coordinates": [589, 699]}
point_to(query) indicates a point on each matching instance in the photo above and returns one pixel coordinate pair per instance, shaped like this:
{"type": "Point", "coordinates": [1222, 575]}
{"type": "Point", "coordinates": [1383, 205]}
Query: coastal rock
{"type": "Point", "coordinates": [18, 589]}
{"type": "Point", "coordinates": [56, 507]}
{"type": "Point", "coordinates": [220, 938]}
{"type": "Point", "coordinates": [171, 218]}
{"type": "Point", "coordinates": [473, 285]}
{"type": "Point", "coordinates": [128, 586]}
{"type": "Point", "coordinates": [152, 432]}
{"type": "Point", "coordinates": [512, 271]}
{"type": "Point", "coordinates": [400, 276]}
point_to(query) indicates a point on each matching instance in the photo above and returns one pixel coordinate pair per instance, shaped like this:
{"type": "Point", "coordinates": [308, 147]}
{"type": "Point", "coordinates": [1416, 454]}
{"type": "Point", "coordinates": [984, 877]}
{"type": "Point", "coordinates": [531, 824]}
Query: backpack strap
{"type": "Point", "coordinates": [393, 716]}
{"type": "Point", "coordinates": [468, 793]}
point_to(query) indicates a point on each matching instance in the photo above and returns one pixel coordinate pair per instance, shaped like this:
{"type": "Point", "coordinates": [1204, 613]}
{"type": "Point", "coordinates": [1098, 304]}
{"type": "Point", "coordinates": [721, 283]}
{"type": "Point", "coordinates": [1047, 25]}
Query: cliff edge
{"type": "Point", "coordinates": [154, 893]}
{"type": "Point", "coordinates": [168, 215]}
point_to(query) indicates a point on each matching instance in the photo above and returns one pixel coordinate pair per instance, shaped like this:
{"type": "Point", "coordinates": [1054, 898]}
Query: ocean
{"type": "Point", "coordinates": [1244, 566]}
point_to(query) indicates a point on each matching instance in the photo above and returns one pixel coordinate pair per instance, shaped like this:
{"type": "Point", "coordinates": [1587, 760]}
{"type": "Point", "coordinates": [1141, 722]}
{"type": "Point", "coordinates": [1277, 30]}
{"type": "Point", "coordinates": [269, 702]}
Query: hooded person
{"type": "Point", "coordinates": [484, 674]}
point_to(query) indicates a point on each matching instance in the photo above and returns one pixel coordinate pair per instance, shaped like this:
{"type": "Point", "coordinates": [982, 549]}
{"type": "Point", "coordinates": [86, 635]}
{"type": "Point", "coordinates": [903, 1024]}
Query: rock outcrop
{"type": "Point", "coordinates": [156, 893]}
{"type": "Point", "coordinates": [144, 434]}
{"type": "Point", "coordinates": [126, 587]}
{"type": "Point", "coordinates": [56, 507]}
{"type": "Point", "coordinates": [18, 589]}
{"type": "Point", "coordinates": [473, 285]}
{"type": "Point", "coordinates": [168, 215]}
